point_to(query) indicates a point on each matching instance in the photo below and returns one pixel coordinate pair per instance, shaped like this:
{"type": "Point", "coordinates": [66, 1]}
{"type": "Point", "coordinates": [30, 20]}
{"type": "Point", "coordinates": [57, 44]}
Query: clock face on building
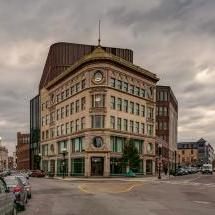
{"type": "Point", "coordinates": [97, 142]}
{"type": "Point", "coordinates": [98, 76]}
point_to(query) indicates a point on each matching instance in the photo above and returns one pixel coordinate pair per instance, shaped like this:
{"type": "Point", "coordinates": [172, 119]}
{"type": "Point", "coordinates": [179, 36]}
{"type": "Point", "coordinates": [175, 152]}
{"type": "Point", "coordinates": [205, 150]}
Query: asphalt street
{"type": "Point", "coordinates": [185, 195]}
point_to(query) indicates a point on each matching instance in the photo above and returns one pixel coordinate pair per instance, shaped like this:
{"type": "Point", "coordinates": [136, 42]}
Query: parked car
{"type": "Point", "coordinates": [26, 183]}
{"type": "Point", "coordinates": [179, 172]}
{"type": "Point", "coordinates": [16, 187]}
{"type": "Point", "coordinates": [6, 200]}
{"type": "Point", "coordinates": [37, 173]}
{"type": "Point", "coordinates": [207, 169]}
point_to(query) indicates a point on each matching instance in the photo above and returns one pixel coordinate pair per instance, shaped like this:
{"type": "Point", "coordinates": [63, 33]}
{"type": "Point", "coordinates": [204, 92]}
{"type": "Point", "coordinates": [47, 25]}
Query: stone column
{"type": "Point", "coordinates": [144, 166]}
{"type": "Point", "coordinates": [69, 158]}
{"type": "Point", "coordinates": [153, 167]}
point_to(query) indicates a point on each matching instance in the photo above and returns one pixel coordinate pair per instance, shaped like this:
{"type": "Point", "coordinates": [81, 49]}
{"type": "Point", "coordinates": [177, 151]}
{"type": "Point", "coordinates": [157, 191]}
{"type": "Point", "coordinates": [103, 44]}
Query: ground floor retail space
{"type": "Point", "coordinates": [94, 165]}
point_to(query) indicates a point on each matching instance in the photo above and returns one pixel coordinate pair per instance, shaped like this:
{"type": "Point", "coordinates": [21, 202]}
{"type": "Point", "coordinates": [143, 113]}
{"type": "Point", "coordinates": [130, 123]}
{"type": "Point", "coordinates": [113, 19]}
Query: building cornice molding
{"type": "Point", "coordinates": [100, 55]}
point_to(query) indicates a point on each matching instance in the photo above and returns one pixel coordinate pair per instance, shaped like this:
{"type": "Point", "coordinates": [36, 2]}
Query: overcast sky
{"type": "Point", "coordinates": [173, 38]}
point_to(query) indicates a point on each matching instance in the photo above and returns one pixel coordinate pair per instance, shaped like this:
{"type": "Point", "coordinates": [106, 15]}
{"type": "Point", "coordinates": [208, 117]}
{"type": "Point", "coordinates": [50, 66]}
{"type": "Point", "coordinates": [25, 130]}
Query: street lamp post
{"type": "Point", "coordinates": [175, 161]}
{"type": "Point", "coordinates": [64, 151]}
{"type": "Point", "coordinates": [39, 162]}
{"type": "Point", "coordinates": [159, 165]}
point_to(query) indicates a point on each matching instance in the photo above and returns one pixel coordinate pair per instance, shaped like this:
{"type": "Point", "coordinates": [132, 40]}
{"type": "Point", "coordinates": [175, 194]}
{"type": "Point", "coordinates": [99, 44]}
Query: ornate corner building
{"type": "Point", "coordinates": [91, 108]}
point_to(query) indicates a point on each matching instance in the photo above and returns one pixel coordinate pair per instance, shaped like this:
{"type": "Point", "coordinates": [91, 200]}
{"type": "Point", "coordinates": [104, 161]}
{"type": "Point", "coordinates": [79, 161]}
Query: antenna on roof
{"type": "Point", "coordinates": [99, 40]}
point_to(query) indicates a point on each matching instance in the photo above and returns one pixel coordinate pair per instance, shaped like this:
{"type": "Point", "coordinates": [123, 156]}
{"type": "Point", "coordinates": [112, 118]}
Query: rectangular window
{"type": "Point", "coordinates": [62, 145]}
{"type": "Point", "coordinates": [150, 130]}
{"type": "Point", "coordinates": [83, 102]}
{"type": "Point", "coordinates": [58, 114]}
{"type": "Point", "coordinates": [137, 127]}
{"type": "Point", "coordinates": [97, 121]}
{"type": "Point", "coordinates": [77, 166]}
{"type": "Point", "coordinates": [45, 150]}
{"type": "Point", "coordinates": [132, 107]}
{"type": "Point", "coordinates": [77, 87]}
{"type": "Point", "coordinates": [142, 93]}
{"type": "Point", "coordinates": [137, 109]}
{"type": "Point", "coordinates": [72, 108]}
{"type": "Point", "coordinates": [142, 128]}
{"type": "Point", "coordinates": [125, 86]}
{"type": "Point", "coordinates": [119, 104]}
{"type": "Point", "coordinates": [119, 84]}
{"type": "Point", "coordinates": [83, 84]}
{"type": "Point", "coordinates": [117, 144]}
{"type": "Point", "coordinates": [165, 96]}
{"type": "Point", "coordinates": [161, 96]}
{"type": "Point", "coordinates": [58, 130]}
{"type": "Point", "coordinates": [72, 90]}
{"type": "Point", "coordinates": [125, 106]}
{"type": "Point", "coordinates": [52, 132]}
{"type": "Point", "coordinates": [98, 100]}
{"type": "Point", "coordinates": [67, 93]}
{"type": "Point", "coordinates": [58, 98]}
{"type": "Point", "coordinates": [119, 123]}
{"type": "Point", "coordinates": [112, 122]}
{"type": "Point", "coordinates": [137, 91]}
{"type": "Point", "coordinates": [160, 111]}
{"type": "Point", "coordinates": [77, 105]}
{"type": "Point", "coordinates": [67, 128]}
{"type": "Point", "coordinates": [62, 129]}
{"type": "Point", "coordinates": [77, 144]}
{"type": "Point", "coordinates": [43, 120]}
{"type": "Point", "coordinates": [131, 89]}
{"type": "Point", "coordinates": [131, 126]}
{"type": "Point", "coordinates": [67, 110]}
{"type": "Point", "coordinates": [62, 95]}
{"type": "Point", "coordinates": [112, 82]}
{"type": "Point", "coordinates": [143, 110]}
{"type": "Point", "coordinates": [77, 125]}
{"type": "Point", "coordinates": [165, 111]}
{"type": "Point", "coordinates": [150, 113]}
{"type": "Point", "coordinates": [138, 145]}
{"type": "Point", "coordinates": [125, 125]}
{"type": "Point", "coordinates": [62, 112]}
{"type": "Point", "coordinates": [71, 127]}
{"type": "Point", "coordinates": [83, 123]}
{"type": "Point", "coordinates": [113, 102]}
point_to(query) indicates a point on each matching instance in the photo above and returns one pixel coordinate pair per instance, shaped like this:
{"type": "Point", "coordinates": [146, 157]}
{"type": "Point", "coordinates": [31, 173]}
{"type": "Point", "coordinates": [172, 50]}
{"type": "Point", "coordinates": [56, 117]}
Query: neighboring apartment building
{"type": "Point", "coordinates": [92, 108]}
{"type": "Point", "coordinates": [188, 153]}
{"type": "Point", "coordinates": [35, 133]}
{"type": "Point", "coordinates": [3, 157]}
{"type": "Point", "coordinates": [195, 153]}
{"type": "Point", "coordinates": [167, 120]}
{"type": "Point", "coordinates": [23, 151]}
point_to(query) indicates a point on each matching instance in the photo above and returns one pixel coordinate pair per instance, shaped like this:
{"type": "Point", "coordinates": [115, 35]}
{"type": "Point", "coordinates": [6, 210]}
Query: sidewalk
{"type": "Point", "coordinates": [106, 179]}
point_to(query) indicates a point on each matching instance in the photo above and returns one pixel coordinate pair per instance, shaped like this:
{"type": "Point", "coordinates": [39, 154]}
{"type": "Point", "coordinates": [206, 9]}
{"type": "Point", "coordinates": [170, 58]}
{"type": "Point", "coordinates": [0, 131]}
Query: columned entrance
{"type": "Point", "coordinates": [97, 166]}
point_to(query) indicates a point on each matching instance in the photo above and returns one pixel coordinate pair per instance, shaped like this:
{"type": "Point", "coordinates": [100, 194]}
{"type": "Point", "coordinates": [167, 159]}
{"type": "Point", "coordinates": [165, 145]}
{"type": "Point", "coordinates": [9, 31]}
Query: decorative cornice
{"type": "Point", "coordinates": [100, 54]}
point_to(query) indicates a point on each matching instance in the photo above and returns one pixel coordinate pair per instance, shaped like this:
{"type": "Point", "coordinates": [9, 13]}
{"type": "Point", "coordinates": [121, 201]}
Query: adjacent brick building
{"type": "Point", "coordinates": [23, 151]}
{"type": "Point", "coordinates": [167, 121]}
{"type": "Point", "coordinates": [195, 153]}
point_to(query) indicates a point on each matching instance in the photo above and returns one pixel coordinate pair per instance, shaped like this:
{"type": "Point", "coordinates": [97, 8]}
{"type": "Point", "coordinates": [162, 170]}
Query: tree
{"type": "Point", "coordinates": [130, 156]}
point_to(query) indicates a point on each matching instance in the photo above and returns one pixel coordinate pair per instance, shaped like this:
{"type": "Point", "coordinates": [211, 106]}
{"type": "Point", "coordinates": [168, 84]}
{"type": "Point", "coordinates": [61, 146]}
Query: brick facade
{"type": "Point", "coordinates": [23, 151]}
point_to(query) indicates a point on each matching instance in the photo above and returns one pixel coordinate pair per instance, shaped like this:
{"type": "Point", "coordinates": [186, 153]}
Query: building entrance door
{"type": "Point", "coordinates": [149, 167]}
{"type": "Point", "coordinates": [52, 166]}
{"type": "Point", "coordinates": [97, 166]}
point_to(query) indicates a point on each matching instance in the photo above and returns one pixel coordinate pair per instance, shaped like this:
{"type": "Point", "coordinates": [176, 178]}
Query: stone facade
{"type": "Point", "coordinates": [91, 110]}
{"type": "Point", "coordinates": [3, 157]}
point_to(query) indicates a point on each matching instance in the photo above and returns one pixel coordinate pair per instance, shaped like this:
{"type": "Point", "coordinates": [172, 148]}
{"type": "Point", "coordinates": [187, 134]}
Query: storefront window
{"type": "Point", "coordinates": [77, 166]}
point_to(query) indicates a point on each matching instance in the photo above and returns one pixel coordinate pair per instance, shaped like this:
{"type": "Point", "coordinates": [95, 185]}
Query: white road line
{"type": "Point", "coordinates": [202, 202]}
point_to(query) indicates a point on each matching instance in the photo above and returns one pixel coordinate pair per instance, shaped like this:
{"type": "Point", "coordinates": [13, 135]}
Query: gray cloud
{"type": "Point", "coordinates": [173, 38]}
